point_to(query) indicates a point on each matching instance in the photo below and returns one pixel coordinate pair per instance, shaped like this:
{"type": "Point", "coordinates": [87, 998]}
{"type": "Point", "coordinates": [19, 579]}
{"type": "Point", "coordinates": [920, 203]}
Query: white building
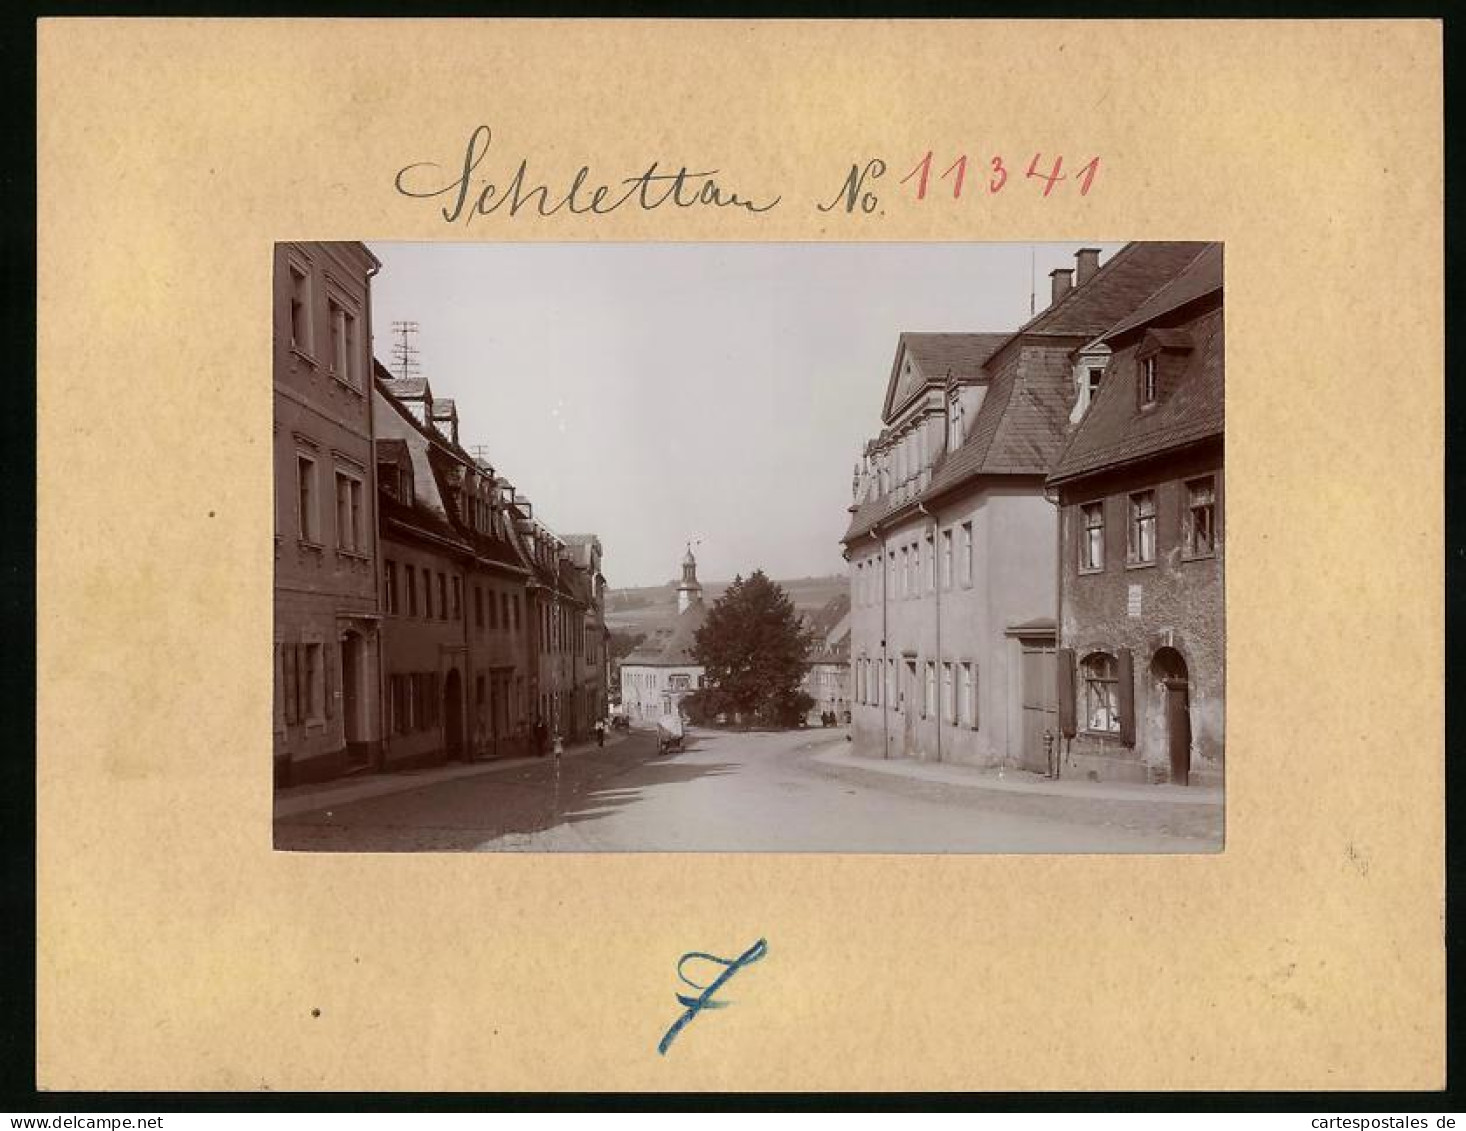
{"type": "Point", "coordinates": [661, 671]}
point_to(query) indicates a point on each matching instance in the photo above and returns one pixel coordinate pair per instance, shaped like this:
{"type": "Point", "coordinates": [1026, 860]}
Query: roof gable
{"type": "Point", "coordinates": [930, 359]}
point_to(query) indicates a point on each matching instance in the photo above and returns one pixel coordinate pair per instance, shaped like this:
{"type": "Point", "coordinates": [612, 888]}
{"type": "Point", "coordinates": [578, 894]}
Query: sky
{"type": "Point", "coordinates": [661, 394]}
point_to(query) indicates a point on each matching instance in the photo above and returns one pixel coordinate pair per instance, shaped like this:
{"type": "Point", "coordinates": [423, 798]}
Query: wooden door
{"type": "Point", "coordinates": [1040, 703]}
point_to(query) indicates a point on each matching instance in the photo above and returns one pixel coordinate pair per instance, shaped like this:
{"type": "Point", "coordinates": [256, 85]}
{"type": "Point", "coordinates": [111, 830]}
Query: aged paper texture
{"type": "Point", "coordinates": [178, 951]}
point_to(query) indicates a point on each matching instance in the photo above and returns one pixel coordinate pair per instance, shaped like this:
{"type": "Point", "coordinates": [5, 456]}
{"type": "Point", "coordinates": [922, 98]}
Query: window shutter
{"type": "Point", "coordinates": [1068, 724]}
{"type": "Point", "coordinates": [328, 662]}
{"type": "Point", "coordinates": [1127, 697]}
{"type": "Point", "coordinates": [292, 710]}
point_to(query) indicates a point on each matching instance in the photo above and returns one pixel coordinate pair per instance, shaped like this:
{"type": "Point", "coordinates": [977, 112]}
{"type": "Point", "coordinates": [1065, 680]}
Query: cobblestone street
{"type": "Point", "coordinates": [729, 792]}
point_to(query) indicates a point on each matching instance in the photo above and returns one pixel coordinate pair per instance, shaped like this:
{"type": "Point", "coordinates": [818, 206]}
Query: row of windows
{"type": "Point", "coordinates": [449, 603]}
{"type": "Point", "coordinates": [414, 702]}
{"type": "Point", "coordinates": [353, 533]}
{"type": "Point", "coordinates": [650, 681]}
{"type": "Point", "coordinates": [503, 610]}
{"type": "Point", "coordinates": [344, 358]}
{"type": "Point", "coordinates": [917, 567]}
{"type": "Point", "coordinates": [945, 690]}
{"type": "Point", "coordinates": [1198, 526]}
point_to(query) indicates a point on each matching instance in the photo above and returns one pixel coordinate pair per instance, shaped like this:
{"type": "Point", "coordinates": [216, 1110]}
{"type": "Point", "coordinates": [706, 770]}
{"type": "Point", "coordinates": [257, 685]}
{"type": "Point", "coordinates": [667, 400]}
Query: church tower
{"type": "Point", "coordinates": [689, 592]}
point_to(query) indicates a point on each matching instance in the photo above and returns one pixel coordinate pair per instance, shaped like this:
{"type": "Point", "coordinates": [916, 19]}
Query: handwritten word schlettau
{"type": "Point", "coordinates": [472, 195]}
{"type": "Point", "coordinates": [704, 1000]}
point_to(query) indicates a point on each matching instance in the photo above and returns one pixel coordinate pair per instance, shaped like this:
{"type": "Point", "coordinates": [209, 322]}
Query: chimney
{"type": "Point", "coordinates": [1063, 281]}
{"type": "Point", "coordinates": [1086, 262]}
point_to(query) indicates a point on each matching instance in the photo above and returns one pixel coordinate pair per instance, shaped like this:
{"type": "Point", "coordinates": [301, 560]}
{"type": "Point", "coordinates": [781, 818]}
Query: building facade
{"type": "Point", "coordinates": [662, 671]}
{"type": "Point", "coordinates": [952, 540]}
{"type": "Point", "coordinates": [327, 716]}
{"type": "Point", "coordinates": [451, 582]}
{"type": "Point", "coordinates": [1141, 670]}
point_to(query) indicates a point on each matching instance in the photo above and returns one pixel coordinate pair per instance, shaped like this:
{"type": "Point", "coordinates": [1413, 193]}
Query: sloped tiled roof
{"type": "Point", "coordinates": [1022, 424]}
{"type": "Point", "coordinates": [1202, 276]}
{"type": "Point", "coordinates": [675, 648]}
{"type": "Point", "coordinates": [1115, 431]}
{"type": "Point", "coordinates": [1120, 286]}
{"type": "Point", "coordinates": [933, 358]}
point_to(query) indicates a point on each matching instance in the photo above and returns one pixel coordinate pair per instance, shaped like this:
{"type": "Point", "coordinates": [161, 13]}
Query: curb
{"type": "Point", "coordinates": [385, 784]}
{"type": "Point", "coordinates": [968, 778]}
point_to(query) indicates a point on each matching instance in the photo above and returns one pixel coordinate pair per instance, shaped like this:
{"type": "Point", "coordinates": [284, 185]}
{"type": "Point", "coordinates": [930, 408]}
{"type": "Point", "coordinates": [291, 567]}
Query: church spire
{"type": "Point", "coordinates": [689, 591]}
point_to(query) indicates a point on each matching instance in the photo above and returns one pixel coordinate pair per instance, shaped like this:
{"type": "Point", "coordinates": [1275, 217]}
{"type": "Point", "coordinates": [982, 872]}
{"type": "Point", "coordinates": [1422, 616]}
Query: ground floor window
{"type": "Point", "coordinates": [1101, 694]}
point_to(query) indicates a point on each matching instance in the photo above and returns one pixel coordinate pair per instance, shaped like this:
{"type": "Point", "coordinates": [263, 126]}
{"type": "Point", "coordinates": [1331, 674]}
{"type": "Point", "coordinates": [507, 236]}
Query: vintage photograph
{"type": "Point", "coordinates": [749, 547]}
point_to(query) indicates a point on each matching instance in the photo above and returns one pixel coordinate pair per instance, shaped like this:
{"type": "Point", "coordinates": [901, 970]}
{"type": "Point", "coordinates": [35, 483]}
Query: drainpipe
{"type": "Point", "coordinates": [885, 682]}
{"type": "Point", "coordinates": [1051, 496]}
{"type": "Point", "coordinates": [937, 589]}
{"type": "Point", "coordinates": [369, 390]}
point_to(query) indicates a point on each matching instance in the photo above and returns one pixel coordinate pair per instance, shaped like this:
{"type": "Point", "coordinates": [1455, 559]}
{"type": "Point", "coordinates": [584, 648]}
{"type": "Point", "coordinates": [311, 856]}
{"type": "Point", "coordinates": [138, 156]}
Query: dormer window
{"type": "Point", "coordinates": [1149, 381]}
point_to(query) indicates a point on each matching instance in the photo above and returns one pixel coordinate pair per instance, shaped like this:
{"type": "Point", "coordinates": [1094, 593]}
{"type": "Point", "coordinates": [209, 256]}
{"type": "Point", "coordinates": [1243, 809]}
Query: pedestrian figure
{"type": "Point", "coordinates": [559, 747]}
{"type": "Point", "coordinates": [600, 732]}
{"type": "Point", "coordinates": [541, 737]}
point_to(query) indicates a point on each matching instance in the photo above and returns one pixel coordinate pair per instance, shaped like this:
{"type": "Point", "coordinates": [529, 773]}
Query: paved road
{"type": "Point", "coordinates": [729, 792]}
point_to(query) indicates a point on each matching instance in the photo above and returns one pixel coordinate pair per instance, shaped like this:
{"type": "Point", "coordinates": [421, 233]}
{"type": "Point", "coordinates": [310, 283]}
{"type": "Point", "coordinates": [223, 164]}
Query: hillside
{"type": "Point", "coordinates": [648, 608]}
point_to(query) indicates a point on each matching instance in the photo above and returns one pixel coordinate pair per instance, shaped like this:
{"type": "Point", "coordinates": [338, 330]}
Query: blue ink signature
{"type": "Point", "coordinates": [704, 1000]}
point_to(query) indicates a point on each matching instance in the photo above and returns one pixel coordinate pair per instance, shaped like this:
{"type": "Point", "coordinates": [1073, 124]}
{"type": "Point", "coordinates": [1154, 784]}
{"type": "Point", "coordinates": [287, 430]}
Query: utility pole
{"type": "Point", "coordinates": [404, 351]}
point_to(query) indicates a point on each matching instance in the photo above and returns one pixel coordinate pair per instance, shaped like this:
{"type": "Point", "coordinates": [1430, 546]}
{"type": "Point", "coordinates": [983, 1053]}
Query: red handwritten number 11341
{"type": "Point", "coordinates": [997, 174]}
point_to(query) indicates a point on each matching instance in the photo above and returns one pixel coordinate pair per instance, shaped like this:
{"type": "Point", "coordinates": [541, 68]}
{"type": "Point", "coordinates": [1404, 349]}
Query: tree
{"type": "Point", "coordinates": [752, 649]}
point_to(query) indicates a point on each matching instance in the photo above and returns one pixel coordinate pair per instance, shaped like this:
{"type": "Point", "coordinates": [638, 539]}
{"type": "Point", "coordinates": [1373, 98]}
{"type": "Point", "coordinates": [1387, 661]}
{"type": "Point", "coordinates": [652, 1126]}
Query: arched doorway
{"type": "Point", "coordinates": [453, 715]}
{"type": "Point", "coordinates": [1168, 670]}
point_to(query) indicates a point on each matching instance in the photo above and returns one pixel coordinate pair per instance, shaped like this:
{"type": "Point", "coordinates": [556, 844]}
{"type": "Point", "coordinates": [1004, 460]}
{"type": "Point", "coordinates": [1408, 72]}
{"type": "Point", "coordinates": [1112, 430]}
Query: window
{"type": "Point", "coordinates": [1141, 546]}
{"type": "Point", "coordinates": [399, 701]}
{"type": "Point", "coordinates": [312, 678]}
{"type": "Point", "coordinates": [905, 571]}
{"type": "Point", "coordinates": [1201, 517]}
{"type": "Point", "coordinates": [457, 597]}
{"type": "Point", "coordinates": [349, 534]}
{"type": "Point", "coordinates": [1092, 383]}
{"type": "Point", "coordinates": [1101, 694]}
{"type": "Point", "coordinates": [516, 612]}
{"type": "Point", "coordinates": [929, 691]}
{"type": "Point", "coordinates": [389, 586]}
{"type": "Point", "coordinates": [1149, 382]}
{"type": "Point", "coordinates": [478, 606]}
{"type": "Point", "coordinates": [966, 566]}
{"type": "Point", "coordinates": [442, 596]}
{"type": "Point", "coordinates": [1092, 536]}
{"type": "Point", "coordinates": [300, 309]}
{"type": "Point", "coordinates": [305, 476]}
{"type": "Point", "coordinates": [405, 484]}
{"type": "Point", "coordinates": [336, 317]}
{"type": "Point", "coordinates": [967, 705]}
{"type": "Point", "coordinates": [411, 591]}
{"type": "Point", "coordinates": [946, 559]}
{"type": "Point", "coordinates": [931, 564]}
{"type": "Point", "coordinates": [427, 594]}
{"type": "Point", "coordinates": [504, 610]}
{"type": "Point", "coordinates": [493, 610]}
{"type": "Point", "coordinates": [949, 699]}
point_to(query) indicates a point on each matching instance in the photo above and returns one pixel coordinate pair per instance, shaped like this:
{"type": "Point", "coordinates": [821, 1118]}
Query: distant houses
{"type": "Point", "coordinates": [963, 640]}
{"type": "Point", "coordinates": [661, 671]}
{"type": "Point", "coordinates": [422, 612]}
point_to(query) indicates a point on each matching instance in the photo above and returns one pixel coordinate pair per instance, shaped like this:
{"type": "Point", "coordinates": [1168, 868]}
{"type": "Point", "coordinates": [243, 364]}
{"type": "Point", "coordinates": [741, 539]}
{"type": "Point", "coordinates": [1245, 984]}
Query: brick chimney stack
{"type": "Point", "coordinates": [1086, 262]}
{"type": "Point", "coordinates": [1063, 282]}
